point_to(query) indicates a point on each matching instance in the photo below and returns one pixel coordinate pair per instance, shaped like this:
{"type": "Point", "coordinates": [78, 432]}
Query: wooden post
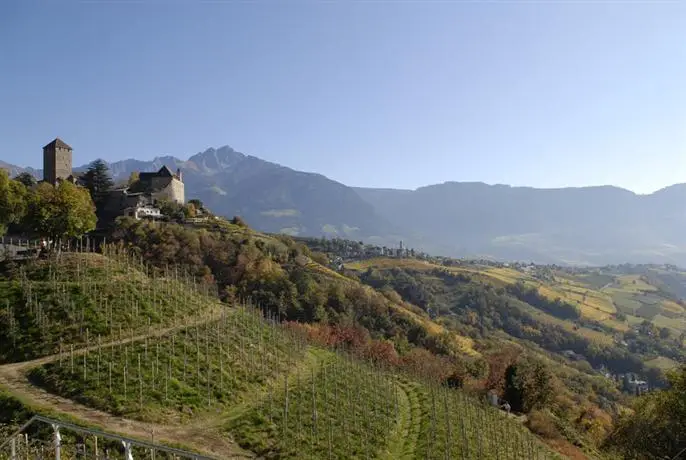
{"type": "Point", "coordinates": [57, 439]}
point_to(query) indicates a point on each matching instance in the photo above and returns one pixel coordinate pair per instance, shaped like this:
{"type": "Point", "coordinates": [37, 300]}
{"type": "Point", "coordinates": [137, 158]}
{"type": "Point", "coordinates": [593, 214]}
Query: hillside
{"type": "Point", "coordinates": [130, 347]}
{"type": "Point", "coordinates": [637, 309]}
{"type": "Point", "coordinates": [597, 328]}
{"type": "Point", "coordinates": [159, 332]}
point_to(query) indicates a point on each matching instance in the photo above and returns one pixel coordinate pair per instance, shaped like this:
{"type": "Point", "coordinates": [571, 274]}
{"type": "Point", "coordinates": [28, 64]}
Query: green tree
{"type": "Point", "coordinates": [172, 209]}
{"type": "Point", "coordinates": [98, 180]}
{"type": "Point", "coordinates": [665, 333]}
{"type": "Point", "coordinates": [12, 201]}
{"type": "Point", "coordinates": [62, 211]}
{"type": "Point", "coordinates": [657, 426]}
{"type": "Point", "coordinates": [26, 178]}
{"type": "Point", "coordinates": [528, 385]}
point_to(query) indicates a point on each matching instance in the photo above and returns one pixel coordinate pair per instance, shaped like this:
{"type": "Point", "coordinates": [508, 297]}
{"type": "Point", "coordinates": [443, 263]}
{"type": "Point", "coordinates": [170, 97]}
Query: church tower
{"type": "Point", "coordinates": [56, 161]}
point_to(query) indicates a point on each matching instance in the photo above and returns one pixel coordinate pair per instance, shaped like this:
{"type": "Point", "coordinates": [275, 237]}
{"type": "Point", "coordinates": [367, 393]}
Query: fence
{"type": "Point", "coordinates": [88, 443]}
{"type": "Point", "coordinates": [17, 248]}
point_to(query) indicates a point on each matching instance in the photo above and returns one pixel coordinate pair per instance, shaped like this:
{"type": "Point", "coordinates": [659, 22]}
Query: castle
{"type": "Point", "coordinates": [56, 161]}
{"type": "Point", "coordinates": [137, 199]}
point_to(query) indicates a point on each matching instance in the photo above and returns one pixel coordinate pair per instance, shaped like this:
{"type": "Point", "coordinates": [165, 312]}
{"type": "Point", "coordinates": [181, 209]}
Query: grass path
{"type": "Point", "coordinates": [314, 359]}
{"type": "Point", "coordinates": [403, 439]}
{"type": "Point", "coordinates": [196, 436]}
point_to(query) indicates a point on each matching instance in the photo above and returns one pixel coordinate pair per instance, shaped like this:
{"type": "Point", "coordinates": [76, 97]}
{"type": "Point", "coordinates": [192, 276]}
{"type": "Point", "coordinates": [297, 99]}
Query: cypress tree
{"type": "Point", "coordinates": [98, 180]}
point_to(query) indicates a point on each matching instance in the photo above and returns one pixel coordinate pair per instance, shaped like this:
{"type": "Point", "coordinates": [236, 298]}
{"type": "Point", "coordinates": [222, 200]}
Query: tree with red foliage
{"type": "Point", "coordinates": [381, 351]}
{"type": "Point", "coordinates": [498, 363]}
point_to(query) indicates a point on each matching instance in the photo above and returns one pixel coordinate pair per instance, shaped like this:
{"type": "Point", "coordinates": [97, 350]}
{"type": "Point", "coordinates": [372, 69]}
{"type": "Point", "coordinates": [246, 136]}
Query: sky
{"type": "Point", "coordinates": [375, 93]}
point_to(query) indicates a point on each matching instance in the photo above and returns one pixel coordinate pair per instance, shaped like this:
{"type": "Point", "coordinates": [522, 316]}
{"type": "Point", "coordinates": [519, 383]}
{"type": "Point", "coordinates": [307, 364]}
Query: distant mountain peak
{"type": "Point", "coordinates": [214, 160]}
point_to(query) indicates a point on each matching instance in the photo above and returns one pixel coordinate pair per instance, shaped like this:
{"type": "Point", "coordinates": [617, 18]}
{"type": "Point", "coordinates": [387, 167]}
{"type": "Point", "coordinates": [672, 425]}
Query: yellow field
{"type": "Point", "coordinates": [677, 325]}
{"type": "Point", "coordinates": [315, 267]}
{"type": "Point", "coordinates": [634, 284]}
{"type": "Point", "coordinates": [385, 262]}
{"type": "Point", "coordinates": [673, 307]}
{"type": "Point", "coordinates": [593, 304]}
{"type": "Point", "coordinates": [662, 363]}
{"type": "Point", "coordinates": [508, 275]}
{"type": "Point", "coordinates": [464, 344]}
{"type": "Point", "coordinates": [593, 335]}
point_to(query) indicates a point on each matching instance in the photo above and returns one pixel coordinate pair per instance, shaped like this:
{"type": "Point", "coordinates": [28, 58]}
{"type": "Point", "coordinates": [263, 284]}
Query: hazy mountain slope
{"type": "Point", "coordinates": [271, 197]}
{"type": "Point", "coordinates": [590, 225]}
{"type": "Point", "coordinates": [576, 225]}
{"type": "Point", "coordinates": [14, 170]}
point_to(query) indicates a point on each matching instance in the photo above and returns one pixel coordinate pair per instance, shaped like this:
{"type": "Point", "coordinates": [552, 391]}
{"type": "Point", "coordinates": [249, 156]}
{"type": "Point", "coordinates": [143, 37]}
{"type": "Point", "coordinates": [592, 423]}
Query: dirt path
{"type": "Point", "coordinates": [201, 438]}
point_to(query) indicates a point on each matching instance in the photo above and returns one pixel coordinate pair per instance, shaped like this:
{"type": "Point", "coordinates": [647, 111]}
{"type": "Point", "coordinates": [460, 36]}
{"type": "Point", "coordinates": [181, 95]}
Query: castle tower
{"type": "Point", "coordinates": [56, 161]}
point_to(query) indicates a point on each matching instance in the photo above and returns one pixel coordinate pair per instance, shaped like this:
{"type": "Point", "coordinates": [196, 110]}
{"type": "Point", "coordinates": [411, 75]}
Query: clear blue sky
{"type": "Point", "coordinates": [375, 93]}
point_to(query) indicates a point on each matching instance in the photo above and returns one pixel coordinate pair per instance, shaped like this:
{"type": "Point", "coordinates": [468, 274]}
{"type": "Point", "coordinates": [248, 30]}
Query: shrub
{"type": "Point", "coordinates": [543, 424]}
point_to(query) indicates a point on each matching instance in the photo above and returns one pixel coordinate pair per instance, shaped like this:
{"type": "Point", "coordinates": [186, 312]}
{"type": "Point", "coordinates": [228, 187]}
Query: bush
{"type": "Point", "coordinates": [543, 424]}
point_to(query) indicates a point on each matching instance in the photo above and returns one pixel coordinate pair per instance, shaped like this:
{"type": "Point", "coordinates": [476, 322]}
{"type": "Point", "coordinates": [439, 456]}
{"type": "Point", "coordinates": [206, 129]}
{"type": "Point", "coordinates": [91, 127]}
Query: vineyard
{"type": "Point", "coordinates": [52, 306]}
{"type": "Point", "coordinates": [109, 334]}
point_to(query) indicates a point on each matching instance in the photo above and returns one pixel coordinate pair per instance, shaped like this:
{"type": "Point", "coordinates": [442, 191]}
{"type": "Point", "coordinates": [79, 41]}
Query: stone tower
{"type": "Point", "coordinates": [56, 161]}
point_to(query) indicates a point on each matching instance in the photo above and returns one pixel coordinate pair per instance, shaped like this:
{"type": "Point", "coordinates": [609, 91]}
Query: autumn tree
{"type": "Point", "coordinates": [133, 178]}
{"type": "Point", "coordinates": [62, 211]}
{"type": "Point", "coordinates": [12, 201]}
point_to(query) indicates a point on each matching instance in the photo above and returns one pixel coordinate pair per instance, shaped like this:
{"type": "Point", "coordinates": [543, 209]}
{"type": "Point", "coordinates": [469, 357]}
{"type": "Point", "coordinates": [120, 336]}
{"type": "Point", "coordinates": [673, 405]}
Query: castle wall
{"type": "Point", "coordinates": [49, 166]}
{"type": "Point", "coordinates": [62, 163]}
{"type": "Point", "coordinates": [174, 191]}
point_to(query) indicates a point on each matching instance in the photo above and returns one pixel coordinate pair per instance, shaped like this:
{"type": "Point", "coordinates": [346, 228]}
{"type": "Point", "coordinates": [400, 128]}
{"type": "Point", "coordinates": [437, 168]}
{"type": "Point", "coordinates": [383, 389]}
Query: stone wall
{"type": "Point", "coordinates": [174, 191]}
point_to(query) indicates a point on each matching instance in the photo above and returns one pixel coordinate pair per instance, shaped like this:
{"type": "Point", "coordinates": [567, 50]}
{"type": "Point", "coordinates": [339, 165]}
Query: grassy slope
{"type": "Point", "coordinates": [81, 299]}
{"type": "Point", "coordinates": [209, 374]}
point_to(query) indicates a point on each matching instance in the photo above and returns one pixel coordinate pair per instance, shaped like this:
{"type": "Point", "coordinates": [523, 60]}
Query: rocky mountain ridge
{"type": "Point", "coordinates": [587, 225]}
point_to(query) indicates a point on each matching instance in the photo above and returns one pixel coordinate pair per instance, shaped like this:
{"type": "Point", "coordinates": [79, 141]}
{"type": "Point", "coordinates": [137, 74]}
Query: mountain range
{"type": "Point", "coordinates": [582, 226]}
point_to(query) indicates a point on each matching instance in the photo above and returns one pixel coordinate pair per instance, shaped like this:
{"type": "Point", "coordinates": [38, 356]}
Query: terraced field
{"type": "Point", "coordinates": [226, 382]}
